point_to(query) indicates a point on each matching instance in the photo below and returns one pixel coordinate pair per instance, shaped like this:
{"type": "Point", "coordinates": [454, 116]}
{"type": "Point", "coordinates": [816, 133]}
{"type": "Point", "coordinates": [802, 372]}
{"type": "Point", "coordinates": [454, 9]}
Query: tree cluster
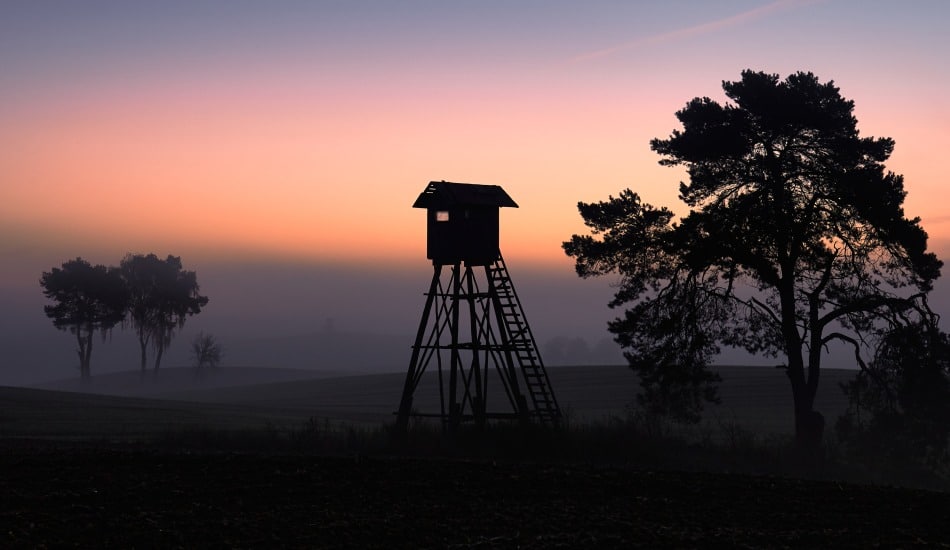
{"type": "Point", "coordinates": [151, 295]}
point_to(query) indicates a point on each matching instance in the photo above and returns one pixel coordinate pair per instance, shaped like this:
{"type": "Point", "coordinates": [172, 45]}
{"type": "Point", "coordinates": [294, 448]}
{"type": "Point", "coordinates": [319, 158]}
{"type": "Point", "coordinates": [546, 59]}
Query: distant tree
{"type": "Point", "coordinates": [88, 299]}
{"type": "Point", "coordinates": [899, 405]}
{"type": "Point", "coordinates": [161, 297]}
{"type": "Point", "coordinates": [206, 350]}
{"type": "Point", "coordinates": [795, 238]}
{"type": "Point", "coordinates": [140, 275]}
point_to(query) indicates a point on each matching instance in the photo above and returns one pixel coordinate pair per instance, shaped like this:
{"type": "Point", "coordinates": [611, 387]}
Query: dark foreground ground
{"type": "Point", "coordinates": [88, 497]}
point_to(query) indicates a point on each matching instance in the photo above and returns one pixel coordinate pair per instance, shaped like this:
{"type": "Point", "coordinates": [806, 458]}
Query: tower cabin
{"type": "Point", "coordinates": [462, 222]}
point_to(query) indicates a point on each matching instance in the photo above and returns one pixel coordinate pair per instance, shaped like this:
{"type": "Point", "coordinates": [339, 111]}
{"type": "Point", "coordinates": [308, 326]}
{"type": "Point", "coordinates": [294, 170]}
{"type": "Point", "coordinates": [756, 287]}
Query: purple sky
{"type": "Point", "coordinates": [277, 147]}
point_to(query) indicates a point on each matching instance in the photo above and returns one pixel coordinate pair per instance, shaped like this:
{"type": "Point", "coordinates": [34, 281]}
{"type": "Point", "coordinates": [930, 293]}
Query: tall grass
{"type": "Point", "coordinates": [635, 440]}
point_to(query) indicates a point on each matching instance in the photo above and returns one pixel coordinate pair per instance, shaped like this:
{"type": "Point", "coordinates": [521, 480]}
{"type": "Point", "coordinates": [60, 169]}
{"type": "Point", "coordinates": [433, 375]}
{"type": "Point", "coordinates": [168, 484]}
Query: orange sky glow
{"type": "Point", "coordinates": [316, 150]}
{"type": "Point", "coordinates": [278, 147]}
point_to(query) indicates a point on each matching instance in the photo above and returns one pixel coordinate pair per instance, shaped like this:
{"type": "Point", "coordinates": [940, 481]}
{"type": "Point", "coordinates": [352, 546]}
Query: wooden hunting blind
{"type": "Point", "coordinates": [473, 329]}
{"type": "Point", "coordinates": [462, 221]}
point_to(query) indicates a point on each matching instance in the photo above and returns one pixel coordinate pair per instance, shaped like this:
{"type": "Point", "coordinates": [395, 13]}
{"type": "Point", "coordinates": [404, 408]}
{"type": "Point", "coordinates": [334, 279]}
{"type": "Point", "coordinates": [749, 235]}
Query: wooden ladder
{"type": "Point", "coordinates": [521, 343]}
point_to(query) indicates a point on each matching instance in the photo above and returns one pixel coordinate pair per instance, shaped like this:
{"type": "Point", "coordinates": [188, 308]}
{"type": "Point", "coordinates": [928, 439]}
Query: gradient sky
{"type": "Point", "coordinates": [302, 131]}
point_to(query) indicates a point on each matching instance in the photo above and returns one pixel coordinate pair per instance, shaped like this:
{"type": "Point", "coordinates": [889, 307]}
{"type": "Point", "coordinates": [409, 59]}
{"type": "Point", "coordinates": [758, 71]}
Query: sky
{"type": "Point", "coordinates": [277, 147]}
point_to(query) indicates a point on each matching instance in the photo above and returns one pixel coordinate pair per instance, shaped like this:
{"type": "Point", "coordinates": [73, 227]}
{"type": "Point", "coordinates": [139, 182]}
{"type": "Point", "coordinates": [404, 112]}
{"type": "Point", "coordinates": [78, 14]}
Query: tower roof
{"type": "Point", "coordinates": [445, 194]}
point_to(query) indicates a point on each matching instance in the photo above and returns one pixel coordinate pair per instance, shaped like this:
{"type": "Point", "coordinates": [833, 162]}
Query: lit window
{"type": "Point", "coordinates": [442, 216]}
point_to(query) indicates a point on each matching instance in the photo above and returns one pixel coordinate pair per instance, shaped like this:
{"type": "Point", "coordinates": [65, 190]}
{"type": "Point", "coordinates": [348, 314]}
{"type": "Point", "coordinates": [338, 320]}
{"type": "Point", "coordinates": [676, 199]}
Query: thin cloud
{"type": "Point", "coordinates": [703, 28]}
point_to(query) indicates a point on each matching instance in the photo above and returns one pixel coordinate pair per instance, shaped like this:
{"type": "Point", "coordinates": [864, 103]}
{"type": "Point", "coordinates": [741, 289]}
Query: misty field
{"type": "Point", "coordinates": [127, 405]}
{"type": "Point", "coordinates": [246, 458]}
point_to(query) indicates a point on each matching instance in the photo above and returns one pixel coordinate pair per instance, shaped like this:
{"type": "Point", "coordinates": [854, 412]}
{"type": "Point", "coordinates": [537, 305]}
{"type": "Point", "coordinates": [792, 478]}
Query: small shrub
{"type": "Point", "coordinates": [206, 351]}
{"type": "Point", "coordinates": [898, 419]}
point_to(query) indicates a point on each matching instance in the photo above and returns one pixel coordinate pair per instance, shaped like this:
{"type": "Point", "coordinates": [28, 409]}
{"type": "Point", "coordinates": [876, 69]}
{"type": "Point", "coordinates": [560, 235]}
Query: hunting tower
{"type": "Point", "coordinates": [473, 328]}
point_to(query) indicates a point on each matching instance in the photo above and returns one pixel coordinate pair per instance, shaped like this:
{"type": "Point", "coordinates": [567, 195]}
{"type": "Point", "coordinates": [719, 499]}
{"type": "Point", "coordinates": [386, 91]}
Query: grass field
{"type": "Point", "coordinates": [273, 462]}
{"type": "Point", "coordinates": [126, 405]}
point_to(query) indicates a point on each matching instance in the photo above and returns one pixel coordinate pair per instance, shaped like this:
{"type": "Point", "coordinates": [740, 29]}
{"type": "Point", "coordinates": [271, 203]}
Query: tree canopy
{"type": "Point", "coordinates": [795, 237]}
{"type": "Point", "coordinates": [87, 299]}
{"type": "Point", "coordinates": [161, 297]}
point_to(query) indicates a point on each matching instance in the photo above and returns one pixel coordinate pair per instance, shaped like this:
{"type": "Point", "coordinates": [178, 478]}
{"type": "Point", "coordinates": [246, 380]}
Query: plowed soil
{"type": "Point", "coordinates": [108, 498]}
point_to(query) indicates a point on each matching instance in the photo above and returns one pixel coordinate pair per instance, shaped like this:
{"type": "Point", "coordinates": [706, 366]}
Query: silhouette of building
{"type": "Point", "coordinates": [473, 330]}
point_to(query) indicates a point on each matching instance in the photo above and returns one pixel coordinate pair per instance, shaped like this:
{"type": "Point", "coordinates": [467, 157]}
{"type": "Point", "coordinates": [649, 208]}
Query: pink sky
{"type": "Point", "coordinates": [303, 131]}
{"type": "Point", "coordinates": [315, 148]}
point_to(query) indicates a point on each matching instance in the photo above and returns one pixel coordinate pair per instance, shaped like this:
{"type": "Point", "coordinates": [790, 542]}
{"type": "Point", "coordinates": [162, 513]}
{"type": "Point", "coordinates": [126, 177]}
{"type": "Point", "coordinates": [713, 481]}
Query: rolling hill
{"type": "Point", "coordinates": [123, 404]}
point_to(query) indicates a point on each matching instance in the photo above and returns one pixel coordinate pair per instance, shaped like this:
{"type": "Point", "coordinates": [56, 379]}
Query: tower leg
{"type": "Point", "coordinates": [416, 369]}
{"type": "Point", "coordinates": [496, 342]}
{"type": "Point", "coordinates": [455, 360]}
{"type": "Point", "coordinates": [478, 399]}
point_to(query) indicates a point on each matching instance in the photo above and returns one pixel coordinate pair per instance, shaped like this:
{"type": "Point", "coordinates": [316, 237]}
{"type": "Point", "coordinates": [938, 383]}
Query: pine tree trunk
{"type": "Point", "coordinates": [809, 423]}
